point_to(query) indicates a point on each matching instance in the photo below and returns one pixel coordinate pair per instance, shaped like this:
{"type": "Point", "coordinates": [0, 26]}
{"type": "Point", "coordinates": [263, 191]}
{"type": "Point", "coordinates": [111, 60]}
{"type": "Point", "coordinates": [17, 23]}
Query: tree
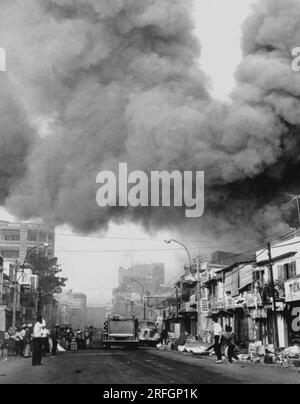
{"type": "Point", "coordinates": [49, 281]}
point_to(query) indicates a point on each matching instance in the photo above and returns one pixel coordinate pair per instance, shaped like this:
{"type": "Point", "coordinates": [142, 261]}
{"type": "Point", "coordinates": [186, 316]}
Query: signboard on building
{"type": "Point", "coordinates": [204, 304]}
{"type": "Point", "coordinates": [292, 290]}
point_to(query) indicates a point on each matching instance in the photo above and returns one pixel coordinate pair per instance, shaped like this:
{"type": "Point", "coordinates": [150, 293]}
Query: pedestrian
{"type": "Point", "coordinates": [164, 336]}
{"type": "Point", "coordinates": [217, 331]}
{"type": "Point", "coordinates": [86, 338]}
{"type": "Point", "coordinates": [183, 338]}
{"type": "Point", "coordinates": [45, 342]}
{"type": "Point", "coordinates": [91, 336]}
{"type": "Point", "coordinates": [28, 341]}
{"type": "Point", "coordinates": [55, 336]}
{"type": "Point", "coordinates": [4, 338]}
{"type": "Point", "coordinates": [19, 340]}
{"type": "Point", "coordinates": [37, 348]}
{"type": "Point", "coordinates": [229, 342]}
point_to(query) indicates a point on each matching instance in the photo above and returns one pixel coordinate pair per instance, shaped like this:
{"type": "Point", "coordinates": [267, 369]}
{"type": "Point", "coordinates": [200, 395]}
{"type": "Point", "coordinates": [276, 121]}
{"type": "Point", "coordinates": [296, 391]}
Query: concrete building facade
{"type": "Point", "coordinates": [17, 238]}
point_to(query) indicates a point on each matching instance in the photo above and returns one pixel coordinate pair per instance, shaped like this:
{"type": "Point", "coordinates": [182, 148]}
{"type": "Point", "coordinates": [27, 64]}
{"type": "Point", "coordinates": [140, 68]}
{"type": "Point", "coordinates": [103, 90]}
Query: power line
{"type": "Point", "coordinates": [143, 239]}
{"type": "Point", "coordinates": [117, 251]}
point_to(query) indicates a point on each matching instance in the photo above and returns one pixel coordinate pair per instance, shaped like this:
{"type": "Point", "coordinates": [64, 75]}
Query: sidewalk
{"type": "Point", "coordinates": [211, 359]}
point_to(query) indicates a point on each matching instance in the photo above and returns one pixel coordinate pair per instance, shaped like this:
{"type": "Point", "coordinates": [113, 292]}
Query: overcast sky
{"type": "Point", "coordinates": [89, 263]}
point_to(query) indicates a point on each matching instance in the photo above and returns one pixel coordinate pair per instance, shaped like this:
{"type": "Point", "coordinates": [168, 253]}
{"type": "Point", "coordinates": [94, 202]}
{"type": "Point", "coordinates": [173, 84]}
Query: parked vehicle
{"type": "Point", "coordinates": [148, 334]}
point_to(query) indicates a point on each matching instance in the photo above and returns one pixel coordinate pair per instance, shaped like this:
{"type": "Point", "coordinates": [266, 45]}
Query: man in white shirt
{"type": "Point", "coordinates": [217, 330]}
{"type": "Point", "coordinates": [38, 334]}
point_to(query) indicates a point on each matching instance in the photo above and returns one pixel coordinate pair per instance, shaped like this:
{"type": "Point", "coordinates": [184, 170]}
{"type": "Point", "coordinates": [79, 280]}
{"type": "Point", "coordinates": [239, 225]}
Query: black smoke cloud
{"type": "Point", "coordinates": [104, 82]}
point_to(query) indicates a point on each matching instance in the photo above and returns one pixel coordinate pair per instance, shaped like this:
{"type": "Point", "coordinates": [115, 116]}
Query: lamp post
{"type": "Point", "coordinates": [142, 296]}
{"type": "Point", "coordinates": [190, 270]}
{"type": "Point", "coordinates": [186, 249]}
{"type": "Point", "coordinates": [16, 281]}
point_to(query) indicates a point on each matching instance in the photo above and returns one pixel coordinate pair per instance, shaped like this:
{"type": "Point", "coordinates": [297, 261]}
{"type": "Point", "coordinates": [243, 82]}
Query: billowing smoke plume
{"type": "Point", "coordinates": [16, 138]}
{"type": "Point", "coordinates": [105, 81]}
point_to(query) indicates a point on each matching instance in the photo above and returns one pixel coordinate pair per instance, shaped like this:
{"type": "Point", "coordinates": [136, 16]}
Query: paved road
{"type": "Point", "coordinates": [140, 367]}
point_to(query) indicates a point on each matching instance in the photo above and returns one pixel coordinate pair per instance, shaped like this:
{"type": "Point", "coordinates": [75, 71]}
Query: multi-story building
{"type": "Point", "coordinates": [72, 309]}
{"type": "Point", "coordinates": [17, 292]}
{"type": "Point", "coordinates": [136, 285]}
{"type": "Point", "coordinates": [151, 276]}
{"type": "Point", "coordinates": [17, 238]}
{"type": "Point", "coordinates": [242, 295]}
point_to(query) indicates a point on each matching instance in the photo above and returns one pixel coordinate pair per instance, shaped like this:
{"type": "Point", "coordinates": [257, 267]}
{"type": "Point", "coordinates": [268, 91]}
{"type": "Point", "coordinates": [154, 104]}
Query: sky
{"type": "Point", "coordinates": [91, 263]}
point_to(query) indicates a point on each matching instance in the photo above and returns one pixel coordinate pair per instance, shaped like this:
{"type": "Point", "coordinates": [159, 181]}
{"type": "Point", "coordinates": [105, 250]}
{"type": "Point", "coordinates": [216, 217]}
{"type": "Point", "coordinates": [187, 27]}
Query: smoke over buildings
{"type": "Point", "coordinates": [94, 83]}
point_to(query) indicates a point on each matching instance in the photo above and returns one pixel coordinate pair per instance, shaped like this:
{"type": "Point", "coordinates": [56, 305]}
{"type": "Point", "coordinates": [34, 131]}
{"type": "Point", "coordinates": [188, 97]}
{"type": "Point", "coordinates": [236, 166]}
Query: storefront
{"type": "Point", "coordinates": [189, 318]}
{"type": "Point", "coordinates": [292, 311]}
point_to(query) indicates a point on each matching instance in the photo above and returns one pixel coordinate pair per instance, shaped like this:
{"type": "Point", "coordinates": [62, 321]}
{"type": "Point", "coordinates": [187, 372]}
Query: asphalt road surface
{"type": "Point", "coordinates": [138, 367]}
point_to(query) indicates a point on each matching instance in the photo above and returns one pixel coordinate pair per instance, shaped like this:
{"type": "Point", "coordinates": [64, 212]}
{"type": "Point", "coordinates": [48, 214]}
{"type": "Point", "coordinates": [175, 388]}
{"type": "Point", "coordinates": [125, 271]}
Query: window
{"type": "Point", "coordinates": [287, 271]}
{"type": "Point", "coordinates": [11, 235]}
{"type": "Point", "coordinates": [32, 235]}
{"type": "Point", "coordinates": [12, 254]}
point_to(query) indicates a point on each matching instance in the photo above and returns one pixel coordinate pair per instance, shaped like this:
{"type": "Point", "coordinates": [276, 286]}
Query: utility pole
{"type": "Point", "coordinates": [298, 207]}
{"type": "Point", "coordinates": [1, 285]}
{"type": "Point", "coordinates": [177, 303]}
{"type": "Point", "coordinates": [15, 285]}
{"type": "Point", "coordinates": [275, 327]}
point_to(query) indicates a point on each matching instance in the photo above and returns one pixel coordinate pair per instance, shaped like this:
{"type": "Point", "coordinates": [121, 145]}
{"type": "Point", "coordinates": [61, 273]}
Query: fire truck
{"type": "Point", "coordinates": [120, 332]}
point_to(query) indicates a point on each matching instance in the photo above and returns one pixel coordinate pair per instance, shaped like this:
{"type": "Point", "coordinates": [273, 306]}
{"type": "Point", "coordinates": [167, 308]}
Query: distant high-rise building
{"type": "Point", "coordinates": [72, 309]}
{"type": "Point", "coordinates": [150, 276]}
{"type": "Point", "coordinates": [135, 283]}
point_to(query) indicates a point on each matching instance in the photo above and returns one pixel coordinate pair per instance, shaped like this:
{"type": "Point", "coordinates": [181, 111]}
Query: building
{"type": "Point", "coordinates": [151, 276]}
{"type": "Point", "coordinates": [96, 316]}
{"type": "Point", "coordinates": [17, 290]}
{"type": "Point", "coordinates": [285, 256]}
{"type": "Point", "coordinates": [17, 238]}
{"type": "Point", "coordinates": [245, 294]}
{"type": "Point", "coordinates": [137, 284]}
{"type": "Point", "coordinates": [72, 309]}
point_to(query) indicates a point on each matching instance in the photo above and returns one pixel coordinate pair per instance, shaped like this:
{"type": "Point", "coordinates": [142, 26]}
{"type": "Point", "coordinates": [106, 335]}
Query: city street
{"type": "Point", "coordinates": [139, 367]}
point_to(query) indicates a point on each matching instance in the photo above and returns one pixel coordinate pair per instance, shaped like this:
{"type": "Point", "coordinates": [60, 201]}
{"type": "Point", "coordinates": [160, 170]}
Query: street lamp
{"type": "Point", "coordinates": [45, 245]}
{"type": "Point", "coordinates": [16, 281]}
{"type": "Point", "coordinates": [182, 245]}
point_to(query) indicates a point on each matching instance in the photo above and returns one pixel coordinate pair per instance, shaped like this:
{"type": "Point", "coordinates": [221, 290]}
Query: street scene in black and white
{"type": "Point", "coordinates": [149, 193]}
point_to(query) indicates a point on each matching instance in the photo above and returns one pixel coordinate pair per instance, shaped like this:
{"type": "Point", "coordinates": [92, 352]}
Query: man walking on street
{"type": "Point", "coordinates": [217, 331]}
{"type": "Point", "coordinates": [55, 339]}
{"type": "Point", "coordinates": [28, 341]}
{"type": "Point", "coordinates": [37, 348]}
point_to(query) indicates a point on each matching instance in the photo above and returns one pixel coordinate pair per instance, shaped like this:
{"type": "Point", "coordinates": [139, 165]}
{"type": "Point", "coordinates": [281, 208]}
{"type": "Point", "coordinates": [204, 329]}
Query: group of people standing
{"type": "Point", "coordinates": [21, 338]}
{"type": "Point", "coordinates": [225, 338]}
{"type": "Point", "coordinates": [37, 340]}
{"type": "Point", "coordinates": [29, 341]}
